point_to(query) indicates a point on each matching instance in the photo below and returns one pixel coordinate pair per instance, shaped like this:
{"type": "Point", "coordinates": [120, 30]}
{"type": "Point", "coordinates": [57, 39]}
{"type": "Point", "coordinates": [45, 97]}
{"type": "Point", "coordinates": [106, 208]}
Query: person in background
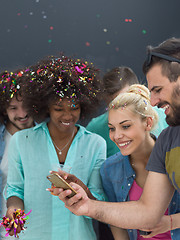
{"type": "Point", "coordinates": [60, 91]}
{"type": "Point", "coordinates": [13, 118]}
{"type": "Point", "coordinates": [117, 81]}
{"type": "Point", "coordinates": [131, 118]}
{"type": "Point", "coordinates": [162, 69]}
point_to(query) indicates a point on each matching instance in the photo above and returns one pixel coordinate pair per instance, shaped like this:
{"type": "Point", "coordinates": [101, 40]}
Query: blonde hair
{"type": "Point", "coordinates": [138, 97]}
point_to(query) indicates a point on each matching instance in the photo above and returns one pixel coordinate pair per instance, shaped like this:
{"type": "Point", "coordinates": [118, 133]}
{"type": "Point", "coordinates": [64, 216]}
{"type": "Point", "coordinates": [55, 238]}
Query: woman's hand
{"type": "Point", "coordinates": [71, 178]}
{"type": "Point", "coordinates": [9, 214]}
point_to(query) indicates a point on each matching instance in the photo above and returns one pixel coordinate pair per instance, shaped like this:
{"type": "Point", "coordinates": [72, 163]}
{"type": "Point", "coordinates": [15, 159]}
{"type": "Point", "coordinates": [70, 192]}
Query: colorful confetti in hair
{"type": "Point", "coordinates": [55, 78]}
{"type": "Point", "coordinates": [9, 84]}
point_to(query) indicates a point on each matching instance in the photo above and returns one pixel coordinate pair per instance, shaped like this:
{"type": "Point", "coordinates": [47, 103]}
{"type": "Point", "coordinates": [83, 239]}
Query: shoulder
{"type": "Point", "coordinates": [115, 161]}
{"type": "Point", "coordinates": [83, 132]}
{"type": "Point", "coordinates": [30, 132]}
{"type": "Point", "coordinates": [170, 133]}
{"type": "Point", "coordinates": [168, 139]}
{"type": "Point", "coordinates": [2, 129]}
{"type": "Point", "coordinates": [98, 122]}
{"type": "Point", "coordinates": [116, 168]}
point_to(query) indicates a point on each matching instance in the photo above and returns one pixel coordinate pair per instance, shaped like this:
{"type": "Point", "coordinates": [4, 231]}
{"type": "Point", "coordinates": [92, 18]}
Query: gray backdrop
{"type": "Point", "coordinates": [108, 33]}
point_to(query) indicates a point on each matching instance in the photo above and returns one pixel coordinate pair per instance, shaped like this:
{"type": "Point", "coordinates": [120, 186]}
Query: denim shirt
{"type": "Point", "coordinates": [118, 177]}
{"type": "Point", "coordinates": [2, 147]}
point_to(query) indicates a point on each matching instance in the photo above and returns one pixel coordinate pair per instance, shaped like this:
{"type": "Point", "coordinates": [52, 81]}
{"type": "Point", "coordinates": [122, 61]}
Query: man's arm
{"type": "Point", "coordinates": [142, 214]}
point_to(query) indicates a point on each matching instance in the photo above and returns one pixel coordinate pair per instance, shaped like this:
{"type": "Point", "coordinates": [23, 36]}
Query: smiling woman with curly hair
{"type": "Point", "coordinates": [59, 92]}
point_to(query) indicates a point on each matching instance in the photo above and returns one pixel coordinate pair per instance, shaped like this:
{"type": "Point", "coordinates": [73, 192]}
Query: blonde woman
{"type": "Point", "coordinates": [131, 118]}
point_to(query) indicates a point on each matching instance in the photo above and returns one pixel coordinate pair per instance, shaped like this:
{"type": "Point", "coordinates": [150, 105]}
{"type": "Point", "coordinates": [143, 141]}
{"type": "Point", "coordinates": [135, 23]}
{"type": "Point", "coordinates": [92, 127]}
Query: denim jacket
{"type": "Point", "coordinates": [118, 177]}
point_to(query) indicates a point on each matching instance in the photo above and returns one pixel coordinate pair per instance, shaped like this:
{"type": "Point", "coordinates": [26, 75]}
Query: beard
{"type": "Point", "coordinates": [174, 119]}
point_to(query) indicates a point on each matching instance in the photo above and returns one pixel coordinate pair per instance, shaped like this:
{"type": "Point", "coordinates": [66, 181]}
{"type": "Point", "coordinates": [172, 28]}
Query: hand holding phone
{"type": "Point", "coordinates": [59, 182]}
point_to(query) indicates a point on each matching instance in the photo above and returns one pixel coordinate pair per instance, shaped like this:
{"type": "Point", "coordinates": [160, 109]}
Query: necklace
{"type": "Point", "coordinates": [60, 150]}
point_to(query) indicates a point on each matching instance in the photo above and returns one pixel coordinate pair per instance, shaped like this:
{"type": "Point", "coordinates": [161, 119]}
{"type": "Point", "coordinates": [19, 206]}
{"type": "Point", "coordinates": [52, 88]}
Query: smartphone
{"type": "Point", "coordinates": [144, 232]}
{"type": "Point", "coordinates": [59, 182]}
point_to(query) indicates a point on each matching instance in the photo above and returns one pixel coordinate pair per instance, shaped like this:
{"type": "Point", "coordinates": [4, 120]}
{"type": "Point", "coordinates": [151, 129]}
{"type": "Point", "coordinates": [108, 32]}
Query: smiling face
{"type": "Point", "coordinates": [127, 130]}
{"type": "Point", "coordinates": [18, 118]}
{"type": "Point", "coordinates": [63, 115]}
{"type": "Point", "coordinates": [162, 92]}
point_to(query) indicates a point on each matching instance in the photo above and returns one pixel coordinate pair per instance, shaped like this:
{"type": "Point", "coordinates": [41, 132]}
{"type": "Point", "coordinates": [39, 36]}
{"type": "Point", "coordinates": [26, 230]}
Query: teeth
{"type": "Point", "coordinates": [67, 124]}
{"type": "Point", "coordinates": [124, 144]}
{"type": "Point", "coordinates": [23, 119]}
{"type": "Point", "coordinates": [165, 107]}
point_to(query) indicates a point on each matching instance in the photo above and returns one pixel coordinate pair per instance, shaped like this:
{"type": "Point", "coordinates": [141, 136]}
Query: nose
{"type": "Point", "coordinates": [67, 115]}
{"type": "Point", "coordinates": [22, 113]}
{"type": "Point", "coordinates": [118, 135]}
{"type": "Point", "coordinates": [154, 100]}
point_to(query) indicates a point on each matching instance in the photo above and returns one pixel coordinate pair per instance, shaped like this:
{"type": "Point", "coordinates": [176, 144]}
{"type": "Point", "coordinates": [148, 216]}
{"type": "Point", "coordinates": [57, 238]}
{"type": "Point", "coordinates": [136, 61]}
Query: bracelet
{"type": "Point", "coordinates": [171, 222]}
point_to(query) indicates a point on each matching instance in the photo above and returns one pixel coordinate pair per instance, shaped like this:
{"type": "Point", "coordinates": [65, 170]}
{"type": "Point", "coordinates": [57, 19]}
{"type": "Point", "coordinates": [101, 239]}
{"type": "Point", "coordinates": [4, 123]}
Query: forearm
{"type": "Point", "coordinates": [15, 202]}
{"type": "Point", "coordinates": [119, 233]}
{"type": "Point", "coordinates": [175, 221]}
{"type": "Point", "coordinates": [142, 214]}
{"type": "Point", "coordinates": [127, 215]}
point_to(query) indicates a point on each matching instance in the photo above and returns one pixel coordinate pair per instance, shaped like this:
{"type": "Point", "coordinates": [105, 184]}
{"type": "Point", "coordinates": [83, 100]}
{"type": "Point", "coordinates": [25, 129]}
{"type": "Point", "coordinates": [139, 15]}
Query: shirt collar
{"type": "Point", "coordinates": [81, 129]}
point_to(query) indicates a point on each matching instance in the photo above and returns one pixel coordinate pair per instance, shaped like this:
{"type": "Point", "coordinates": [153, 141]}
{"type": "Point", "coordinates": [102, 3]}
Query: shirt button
{"type": "Point", "coordinates": [129, 184]}
{"type": "Point", "coordinates": [133, 175]}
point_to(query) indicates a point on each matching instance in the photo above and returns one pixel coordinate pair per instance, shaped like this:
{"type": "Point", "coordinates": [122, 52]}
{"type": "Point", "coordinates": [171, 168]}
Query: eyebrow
{"type": "Point", "coordinates": [120, 122]}
{"type": "Point", "coordinates": [153, 88]}
{"type": "Point", "coordinates": [12, 105]}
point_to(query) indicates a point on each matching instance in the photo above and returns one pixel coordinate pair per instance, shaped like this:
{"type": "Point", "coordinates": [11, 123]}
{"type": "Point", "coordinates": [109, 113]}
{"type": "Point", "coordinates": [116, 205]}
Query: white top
{"type": "Point", "coordinates": [4, 171]}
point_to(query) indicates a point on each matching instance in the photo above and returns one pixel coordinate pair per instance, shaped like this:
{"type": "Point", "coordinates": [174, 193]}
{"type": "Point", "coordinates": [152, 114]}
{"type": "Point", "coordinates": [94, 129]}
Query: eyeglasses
{"type": "Point", "coordinates": [163, 56]}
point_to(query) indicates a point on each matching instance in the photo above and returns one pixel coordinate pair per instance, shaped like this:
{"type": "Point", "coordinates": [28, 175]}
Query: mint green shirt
{"type": "Point", "coordinates": [99, 125]}
{"type": "Point", "coordinates": [31, 156]}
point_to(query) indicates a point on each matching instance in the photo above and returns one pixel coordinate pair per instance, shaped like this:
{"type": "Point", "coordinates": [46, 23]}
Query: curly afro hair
{"type": "Point", "coordinates": [10, 87]}
{"type": "Point", "coordinates": [55, 78]}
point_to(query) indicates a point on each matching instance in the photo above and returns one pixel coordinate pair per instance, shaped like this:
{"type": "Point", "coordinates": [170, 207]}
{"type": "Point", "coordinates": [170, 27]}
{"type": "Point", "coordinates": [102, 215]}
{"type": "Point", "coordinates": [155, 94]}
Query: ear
{"type": "Point", "coordinates": [149, 123]}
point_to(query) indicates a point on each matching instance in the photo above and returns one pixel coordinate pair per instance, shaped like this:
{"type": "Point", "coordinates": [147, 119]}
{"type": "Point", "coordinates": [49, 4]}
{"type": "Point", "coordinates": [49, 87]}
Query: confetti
{"type": "Point", "coordinates": [81, 75]}
{"type": "Point", "coordinates": [128, 20]}
{"type": "Point", "coordinates": [87, 44]}
{"type": "Point", "coordinates": [19, 219]}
